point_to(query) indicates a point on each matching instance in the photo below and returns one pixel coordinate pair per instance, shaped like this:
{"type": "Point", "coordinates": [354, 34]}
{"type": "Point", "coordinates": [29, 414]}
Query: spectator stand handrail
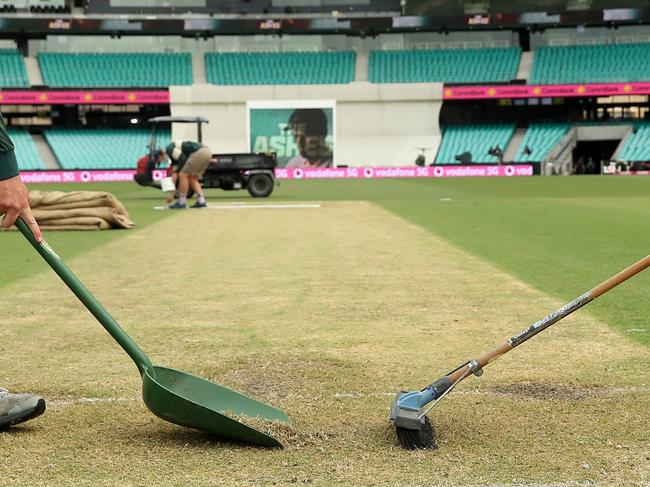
{"type": "Point", "coordinates": [558, 153]}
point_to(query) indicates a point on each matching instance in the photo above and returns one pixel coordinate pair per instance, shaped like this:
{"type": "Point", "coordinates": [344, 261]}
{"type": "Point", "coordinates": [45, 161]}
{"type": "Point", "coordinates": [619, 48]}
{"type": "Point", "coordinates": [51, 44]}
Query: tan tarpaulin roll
{"type": "Point", "coordinates": [78, 210]}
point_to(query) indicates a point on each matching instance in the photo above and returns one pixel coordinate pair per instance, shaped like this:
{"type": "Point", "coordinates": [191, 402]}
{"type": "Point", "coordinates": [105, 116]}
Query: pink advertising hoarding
{"type": "Point", "coordinates": [36, 177]}
{"type": "Point", "coordinates": [544, 91]}
{"type": "Point", "coordinates": [86, 97]}
{"type": "Point", "coordinates": [402, 172]}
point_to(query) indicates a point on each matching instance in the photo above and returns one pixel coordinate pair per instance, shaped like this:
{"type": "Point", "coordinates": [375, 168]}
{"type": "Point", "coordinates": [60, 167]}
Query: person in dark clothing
{"type": "Point", "coordinates": [14, 203]}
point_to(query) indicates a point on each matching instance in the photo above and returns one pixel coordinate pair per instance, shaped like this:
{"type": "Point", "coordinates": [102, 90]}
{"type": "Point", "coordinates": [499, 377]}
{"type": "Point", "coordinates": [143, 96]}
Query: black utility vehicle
{"type": "Point", "coordinates": [253, 172]}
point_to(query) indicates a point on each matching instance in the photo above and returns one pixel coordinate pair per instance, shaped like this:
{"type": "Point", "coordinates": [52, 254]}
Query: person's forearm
{"type": "Point", "coordinates": [8, 165]}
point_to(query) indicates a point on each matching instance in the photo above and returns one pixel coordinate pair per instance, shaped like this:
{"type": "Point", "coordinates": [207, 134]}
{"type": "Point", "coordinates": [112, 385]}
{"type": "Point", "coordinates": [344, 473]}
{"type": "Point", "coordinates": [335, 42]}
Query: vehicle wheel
{"type": "Point", "coordinates": [260, 185]}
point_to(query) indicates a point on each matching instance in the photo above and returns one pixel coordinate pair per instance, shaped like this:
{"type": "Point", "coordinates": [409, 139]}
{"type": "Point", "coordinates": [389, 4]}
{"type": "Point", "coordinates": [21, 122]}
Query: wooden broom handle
{"type": "Point", "coordinates": [622, 276]}
{"type": "Point", "coordinates": [556, 316]}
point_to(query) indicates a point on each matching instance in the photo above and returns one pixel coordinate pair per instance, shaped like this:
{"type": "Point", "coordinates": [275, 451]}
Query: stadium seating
{"type": "Point", "coordinates": [12, 69]}
{"type": "Point", "coordinates": [101, 148]}
{"type": "Point", "coordinates": [115, 69]}
{"type": "Point", "coordinates": [637, 145]}
{"type": "Point", "coordinates": [584, 64]}
{"type": "Point", "coordinates": [444, 65]}
{"type": "Point", "coordinates": [285, 68]}
{"type": "Point", "coordinates": [540, 139]}
{"type": "Point", "coordinates": [26, 154]}
{"type": "Point", "coordinates": [474, 139]}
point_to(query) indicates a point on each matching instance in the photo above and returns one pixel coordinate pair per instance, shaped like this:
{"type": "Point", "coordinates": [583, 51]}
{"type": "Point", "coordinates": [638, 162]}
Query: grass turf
{"type": "Point", "coordinates": [323, 313]}
{"type": "Point", "coordinates": [561, 235]}
{"type": "Point", "coordinates": [19, 264]}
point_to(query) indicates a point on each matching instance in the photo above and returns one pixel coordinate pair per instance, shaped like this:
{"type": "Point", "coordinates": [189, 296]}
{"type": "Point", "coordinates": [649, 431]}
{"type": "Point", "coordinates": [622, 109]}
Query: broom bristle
{"type": "Point", "coordinates": [424, 438]}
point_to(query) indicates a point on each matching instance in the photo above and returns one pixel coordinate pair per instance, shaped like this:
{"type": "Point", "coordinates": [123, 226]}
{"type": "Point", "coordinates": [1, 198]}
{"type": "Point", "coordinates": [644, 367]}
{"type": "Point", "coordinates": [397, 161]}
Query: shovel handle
{"type": "Point", "coordinates": [88, 300]}
{"type": "Point", "coordinates": [555, 316]}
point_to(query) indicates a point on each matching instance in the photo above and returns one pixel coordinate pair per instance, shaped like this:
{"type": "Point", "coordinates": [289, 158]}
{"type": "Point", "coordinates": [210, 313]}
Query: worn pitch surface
{"type": "Point", "coordinates": [324, 313]}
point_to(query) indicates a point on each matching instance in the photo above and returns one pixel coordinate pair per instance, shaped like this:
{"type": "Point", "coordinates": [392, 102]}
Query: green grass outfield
{"type": "Point", "coordinates": [560, 235]}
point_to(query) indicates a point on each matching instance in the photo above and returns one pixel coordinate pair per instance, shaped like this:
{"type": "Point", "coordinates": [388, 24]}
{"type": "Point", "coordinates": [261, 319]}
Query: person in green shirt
{"type": "Point", "coordinates": [14, 202]}
{"type": "Point", "coordinates": [190, 160]}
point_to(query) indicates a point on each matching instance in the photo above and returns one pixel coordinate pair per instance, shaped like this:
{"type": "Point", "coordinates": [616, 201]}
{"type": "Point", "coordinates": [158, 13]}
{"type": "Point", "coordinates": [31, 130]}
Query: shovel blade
{"type": "Point", "coordinates": [190, 401]}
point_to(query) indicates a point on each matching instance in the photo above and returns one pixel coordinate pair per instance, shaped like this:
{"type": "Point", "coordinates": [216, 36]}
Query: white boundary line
{"type": "Point", "coordinates": [258, 207]}
{"type": "Point", "coordinates": [590, 393]}
{"type": "Point", "coordinates": [56, 403]}
{"type": "Point", "coordinates": [244, 206]}
{"type": "Point", "coordinates": [611, 391]}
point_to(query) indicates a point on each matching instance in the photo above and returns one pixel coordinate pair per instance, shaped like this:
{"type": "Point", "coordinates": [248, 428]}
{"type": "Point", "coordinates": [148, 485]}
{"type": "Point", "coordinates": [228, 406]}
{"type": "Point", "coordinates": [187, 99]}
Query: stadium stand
{"type": "Point", "coordinates": [115, 69]}
{"type": "Point", "coordinates": [540, 138]}
{"type": "Point", "coordinates": [585, 64]}
{"type": "Point", "coordinates": [12, 69]}
{"type": "Point", "coordinates": [284, 68]}
{"type": "Point", "coordinates": [101, 148]}
{"type": "Point", "coordinates": [26, 153]}
{"type": "Point", "coordinates": [475, 140]}
{"type": "Point", "coordinates": [444, 65]}
{"type": "Point", "coordinates": [637, 146]}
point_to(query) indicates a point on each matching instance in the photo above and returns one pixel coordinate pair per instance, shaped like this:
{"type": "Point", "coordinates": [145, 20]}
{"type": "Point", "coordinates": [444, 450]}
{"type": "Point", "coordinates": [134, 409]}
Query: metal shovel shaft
{"type": "Point", "coordinates": [130, 347]}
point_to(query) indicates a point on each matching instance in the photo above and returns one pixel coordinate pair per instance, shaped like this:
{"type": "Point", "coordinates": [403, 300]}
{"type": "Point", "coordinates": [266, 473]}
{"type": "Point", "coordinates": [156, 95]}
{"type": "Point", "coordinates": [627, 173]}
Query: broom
{"type": "Point", "coordinates": [408, 414]}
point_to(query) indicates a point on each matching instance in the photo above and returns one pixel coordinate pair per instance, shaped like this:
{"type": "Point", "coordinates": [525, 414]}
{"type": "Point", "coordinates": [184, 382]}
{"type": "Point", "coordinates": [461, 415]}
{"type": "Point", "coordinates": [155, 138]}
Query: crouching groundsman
{"type": "Point", "coordinates": [190, 160]}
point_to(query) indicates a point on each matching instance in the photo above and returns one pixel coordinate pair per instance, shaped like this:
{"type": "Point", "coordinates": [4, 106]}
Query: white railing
{"type": "Point", "coordinates": [446, 45]}
{"type": "Point", "coordinates": [560, 159]}
{"type": "Point", "coordinates": [621, 145]}
{"type": "Point", "coordinates": [270, 48]}
{"type": "Point", "coordinates": [392, 46]}
{"type": "Point", "coordinates": [596, 41]}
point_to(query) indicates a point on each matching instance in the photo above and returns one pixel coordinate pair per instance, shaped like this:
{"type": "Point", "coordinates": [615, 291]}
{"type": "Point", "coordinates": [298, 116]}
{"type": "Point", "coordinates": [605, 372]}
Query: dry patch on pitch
{"type": "Point", "coordinates": [324, 313]}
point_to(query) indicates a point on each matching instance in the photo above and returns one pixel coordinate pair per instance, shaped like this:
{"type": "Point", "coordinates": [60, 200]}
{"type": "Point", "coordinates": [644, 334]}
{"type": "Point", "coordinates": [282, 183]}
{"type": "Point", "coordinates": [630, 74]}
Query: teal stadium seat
{"type": "Point", "coordinates": [444, 65]}
{"type": "Point", "coordinates": [637, 145]}
{"type": "Point", "coordinates": [476, 139]}
{"type": "Point", "coordinates": [284, 68]}
{"type": "Point", "coordinates": [101, 148]}
{"type": "Point", "coordinates": [115, 69]}
{"type": "Point", "coordinates": [25, 149]}
{"type": "Point", "coordinates": [13, 73]}
{"type": "Point", "coordinates": [591, 64]}
{"type": "Point", "coordinates": [540, 138]}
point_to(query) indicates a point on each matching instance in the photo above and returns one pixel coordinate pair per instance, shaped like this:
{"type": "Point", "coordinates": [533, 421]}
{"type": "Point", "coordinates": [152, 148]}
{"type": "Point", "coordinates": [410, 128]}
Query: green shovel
{"type": "Point", "coordinates": [170, 394]}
